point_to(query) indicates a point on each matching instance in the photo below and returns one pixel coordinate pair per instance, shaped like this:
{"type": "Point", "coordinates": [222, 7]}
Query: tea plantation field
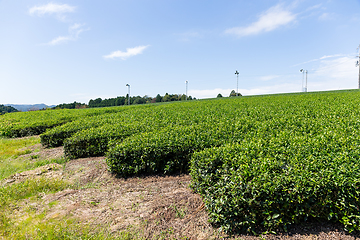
{"type": "Point", "coordinates": [260, 162]}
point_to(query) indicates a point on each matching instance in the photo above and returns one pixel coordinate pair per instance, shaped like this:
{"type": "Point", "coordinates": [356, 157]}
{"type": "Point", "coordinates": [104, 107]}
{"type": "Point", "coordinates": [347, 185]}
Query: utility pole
{"type": "Point", "coordinates": [128, 85]}
{"type": "Point", "coordinates": [237, 83]}
{"type": "Point", "coordinates": [186, 90]}
{"type": "Point", "coordinates": [358, 65]}
{"type": "Point", "coordinates": [302, 83]}
{"type": "Point", "coordinates": [306, 72]}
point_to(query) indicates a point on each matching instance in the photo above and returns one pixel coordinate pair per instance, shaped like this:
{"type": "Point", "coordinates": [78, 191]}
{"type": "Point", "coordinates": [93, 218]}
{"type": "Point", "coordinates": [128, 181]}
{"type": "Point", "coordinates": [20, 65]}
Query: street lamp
{"type": "Point", "coordinates": [304, 72]}
{"type": "Point", "coordinates": [186, 91]}
{"type": "Point", "coordinates": [128, 85]}
{"type": "Point", "coordinates": [237, 83]}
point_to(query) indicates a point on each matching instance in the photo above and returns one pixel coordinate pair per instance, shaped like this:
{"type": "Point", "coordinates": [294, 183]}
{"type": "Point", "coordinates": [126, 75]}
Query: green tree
{"type": "Point", "coordinates": [7, 109]}
{"type": "Point", "coordinates": [232, 94]}
{"type": "Point", "coordinates": [219, 95]}
{"type": "Point", "coordinates": [166, 98]}
{"type": "Point", "coordinates": [139, 100]}
{"type": "Point", "coordinates": [158, 98]}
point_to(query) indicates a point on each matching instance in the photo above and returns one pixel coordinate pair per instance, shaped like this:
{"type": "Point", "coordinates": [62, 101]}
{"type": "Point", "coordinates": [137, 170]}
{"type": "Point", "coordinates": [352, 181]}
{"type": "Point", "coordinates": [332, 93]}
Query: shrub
{"type": "Point", "coordinates": [94, 141]}
{"type": "Point", "coordinates": [272, 182]}
{"type": "Point", "coordinates": [169, 149]}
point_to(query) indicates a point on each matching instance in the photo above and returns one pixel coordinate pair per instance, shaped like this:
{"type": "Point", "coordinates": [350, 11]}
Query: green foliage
{"type": "Point", "coordinates": [119, 101]}
{"type": "Point", "coordinates": [21, 124]}
{"type": "Point", "coordinates": [29, 188]}
{"type": "Point", "coordinates": [7, 109]}
{"type": "Point", "coordinates": [272, 183]}
{"type": "Point", "coordinates": [74, 105]}
{"type": "Point", "coordinates": [233, 94]}
{"type": "Point", "coordinates": [168, 150]}
{"type": "Point", "coordinates": [55, 137]}
{"type": "Point", "coordinates": [261, 162]}
{"type": "Point", "coordinates": [93, 142]}
{"type": "Point", "coordinates": [158, 98]}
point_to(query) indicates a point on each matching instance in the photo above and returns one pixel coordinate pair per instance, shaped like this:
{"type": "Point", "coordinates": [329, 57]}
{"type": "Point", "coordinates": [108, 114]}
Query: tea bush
{"type": "Point", "coordinates": [285, 178]}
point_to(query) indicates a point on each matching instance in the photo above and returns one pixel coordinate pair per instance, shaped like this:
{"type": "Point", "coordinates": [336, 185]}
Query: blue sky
{"type": "Point", "coordinates": [63, 51]}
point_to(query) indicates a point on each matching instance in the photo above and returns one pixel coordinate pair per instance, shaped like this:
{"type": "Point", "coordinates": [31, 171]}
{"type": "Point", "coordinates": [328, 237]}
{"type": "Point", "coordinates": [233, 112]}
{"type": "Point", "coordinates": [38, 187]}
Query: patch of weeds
{"type": "Point", "coordinates": [78, 186]}
{"type": "Point", "coordinates": [10, 195]}
{"type": "Point", "coordinates": [34, 157]}
{"type": "Point", "coordinates": [180, 213]}
{"type": "Point", "coordinates": [94, 203]}
{"type": "Point", "coordinates": [18, 153]}
{"type": "Point", "coordinates": [53, 203]}
{"type": "Point", "coordinates": [30, 188]}
{"type": "Point", "coordinates": [35, 227]}
{"type": "Point", "coordinates": [134, 206]}
{"type": "Point", "coordinates": [166, 234]}
{"type": "Point", "coordinates": [10, 149]}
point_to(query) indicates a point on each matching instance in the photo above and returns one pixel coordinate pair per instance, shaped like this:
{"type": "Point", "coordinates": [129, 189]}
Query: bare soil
{"type": "Point", "coordinates": [153, 206]}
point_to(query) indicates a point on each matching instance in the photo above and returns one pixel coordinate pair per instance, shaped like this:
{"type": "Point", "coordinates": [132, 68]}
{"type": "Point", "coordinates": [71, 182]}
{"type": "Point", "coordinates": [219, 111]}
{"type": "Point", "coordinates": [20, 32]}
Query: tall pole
{"type": "Point", "coordinates": [186, 90]}
{"type": "Point", "coordinates": [306, 72]}
{"type": "Point", "coordinates": [358, 64]}
{"type": "Point", "coordinates": [237, 83]}
{"type": "Point", "coordinates": [302, 83]}
{"type": "Point", "coordinates": [128, 85]}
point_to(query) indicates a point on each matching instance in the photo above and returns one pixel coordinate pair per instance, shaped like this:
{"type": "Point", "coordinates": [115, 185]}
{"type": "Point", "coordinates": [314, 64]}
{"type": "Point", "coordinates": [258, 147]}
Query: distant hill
{"type": "Point", "coordinates": [25, 108]}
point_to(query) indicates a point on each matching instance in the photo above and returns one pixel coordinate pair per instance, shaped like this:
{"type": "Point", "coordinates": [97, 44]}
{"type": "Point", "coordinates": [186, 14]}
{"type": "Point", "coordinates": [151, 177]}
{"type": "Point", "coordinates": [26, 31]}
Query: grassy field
{"type": "Point", "coordinates": [18, 218]}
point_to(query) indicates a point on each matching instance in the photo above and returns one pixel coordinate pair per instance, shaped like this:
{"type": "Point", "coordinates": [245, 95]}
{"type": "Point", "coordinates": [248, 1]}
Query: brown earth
{"type": "Point", "coordinates": [153, 206]}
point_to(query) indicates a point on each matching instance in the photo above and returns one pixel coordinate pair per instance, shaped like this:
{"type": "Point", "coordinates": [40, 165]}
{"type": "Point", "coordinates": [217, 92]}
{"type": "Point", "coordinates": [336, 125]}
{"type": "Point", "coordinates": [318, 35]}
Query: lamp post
{"type": "Point", "coordinates": [237, 83]}
{"type": "Point", "coordinates": [302, 85]}
{"type": "Point", "coordinates": [128, 85]}
{"type": "Point", "coordinates": [186, 90]}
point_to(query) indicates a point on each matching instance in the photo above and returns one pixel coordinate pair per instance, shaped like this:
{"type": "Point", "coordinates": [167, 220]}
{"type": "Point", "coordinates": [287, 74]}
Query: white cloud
{"type": "Point", "coordinates": [74, 32]}
{"type": "Point", "coordinates": [129, 53]}
{"type": "Point", "coordinates": [318, 59]}
{"type": "Point", "coordinates": [60, 39]}
{"type": "Point", "coordinates": [339, 73]}
{"type": "Point", "coordinates": [270, 20]}
{"type": "Point", "coordinates": [326, 16]}
{"type": "Point", "coordinates": [209, 93]}
{"type": "Point", "coordinates": [51, 8]}
{"type": "Point", "coordinates": [279, 88]}
{"type": "Point", "coordinates": [332, 74]}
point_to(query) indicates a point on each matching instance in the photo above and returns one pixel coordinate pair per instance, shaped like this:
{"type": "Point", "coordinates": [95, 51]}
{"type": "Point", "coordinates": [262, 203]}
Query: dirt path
{"type": "Point", "coordinates": [154, 207]}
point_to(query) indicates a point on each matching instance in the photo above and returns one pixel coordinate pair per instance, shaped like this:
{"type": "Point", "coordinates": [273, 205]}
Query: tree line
{"type": "Point", "coordinates": [7, 109]}
{"type": "Point", "coordinates": [119, 101]}
{"type": "Point", "coordinates": [124, 100]}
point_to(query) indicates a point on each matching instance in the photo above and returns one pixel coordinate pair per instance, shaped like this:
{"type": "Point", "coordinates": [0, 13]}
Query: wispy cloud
{"type": "Point", "coordinates": [60, 40]}
{"type": "Point", "coordinates": [270, 20]}
{"type": "Point", "coordinates": [59, 11]}
{"type": "Point", "coordinates": [269, 77]}
{"type": "Point", "coordinates": [187, 36]}
{"type": "Point", "coordinates": [318, 59]}
{"type": "Point", "coordinates": [128, 53]}
{"type": "Point", "coordinates": [74, 32]}
{"type": "Point", "coordinates": [52, 8]}
{"type": "Point", "coordinates": [341, 69]}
